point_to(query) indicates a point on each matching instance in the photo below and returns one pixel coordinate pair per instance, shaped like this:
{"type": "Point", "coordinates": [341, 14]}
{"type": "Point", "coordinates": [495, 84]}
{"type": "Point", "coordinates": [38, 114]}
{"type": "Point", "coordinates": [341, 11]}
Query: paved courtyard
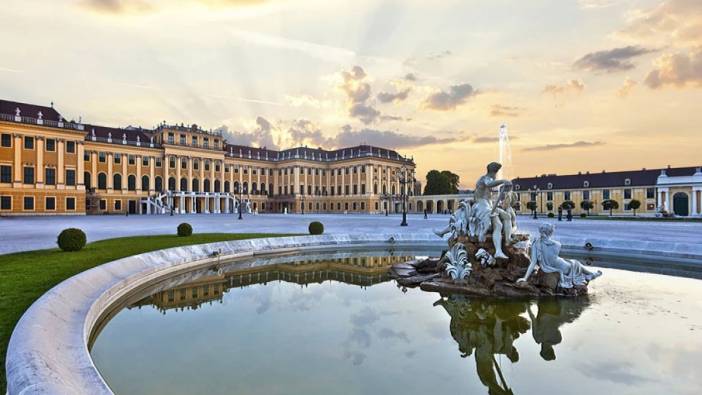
{"type": "Point", "coordinates": [29, 233]}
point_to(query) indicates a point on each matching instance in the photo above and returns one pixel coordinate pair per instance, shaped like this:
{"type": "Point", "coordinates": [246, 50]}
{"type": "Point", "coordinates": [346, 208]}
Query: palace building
{"type": "Point", "coordinates": [676, 190]}
{"type": "Point", "coordinates": [50, 166]}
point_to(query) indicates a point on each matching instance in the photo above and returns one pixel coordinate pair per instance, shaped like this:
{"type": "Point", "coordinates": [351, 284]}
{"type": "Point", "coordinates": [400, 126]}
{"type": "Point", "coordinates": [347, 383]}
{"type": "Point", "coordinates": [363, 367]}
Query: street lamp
{"type": "Point", "coordinates": [302, 201]}
{"type": "Point", "coordinates": [404, 180]}
{"type": "Point", "coordinates": [241, 201]}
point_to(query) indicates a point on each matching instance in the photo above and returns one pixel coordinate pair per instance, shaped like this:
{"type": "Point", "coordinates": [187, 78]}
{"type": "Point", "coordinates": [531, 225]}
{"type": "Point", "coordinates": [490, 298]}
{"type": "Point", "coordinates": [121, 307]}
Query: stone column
{"type": "Point", "coordinates": [181, 205]}
{"type": "Point", "coordinates": [207, 204]}
{"type": "Point", "coordinates": [296, 179]}
{"type": "Point", "coordinates": [125, 174]}
{"type": "Point", "coordinates": [39, 179]}
{"type": "Point", "coordinates": [178, 165]}
{"type": "Point", "coordinates": [60, 168]}
{"type": "Point", "coordinates": [93, 169]}
{"type": "Point", "coordinates": [138, 173]}
{"type": "Point", "coordinates": [190, 174]}
{"type": "Point", "coordinates": [695, 201]}
{"type": "Point", "coordinates": [369, 180]}
{"type": "Point", "coordinates": [152, 174]}
{"type": "Point", "coordinates": [80, 177]}
{"type": "Point", "coordinates": [110, 186]}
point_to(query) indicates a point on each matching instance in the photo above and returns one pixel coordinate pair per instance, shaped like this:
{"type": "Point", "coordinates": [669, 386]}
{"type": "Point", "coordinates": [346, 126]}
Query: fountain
{"type": "Point", "coordinates": [488, 256]}
{"type": "Point", "coordinates": [504, 154]}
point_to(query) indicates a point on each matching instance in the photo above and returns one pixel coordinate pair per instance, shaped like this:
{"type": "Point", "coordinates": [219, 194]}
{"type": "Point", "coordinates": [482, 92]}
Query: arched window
{"type": "Point", "coordinates": [87, 180]}
{"type": "Point", "coordinates": [196, 185]}
{"type": "Point", "coordinates": [117, 182]}
{"type": "Point", "coordinates": [184, 184]}
{"type": "Point", "coordinates": [263, 189]}
{"type": "Point", "coordinates": [246, 187]}
{"type": "Point", "coordinates": [385, 189]}
{"type": "Point", "coordinates": [270, 189]}
{"type": "Point", "coordinates": [206, 186]}
{"type": "Point", "coordinates": [102, 181]}
{"type": "Point", "coordinates": [236, 186]}
{"type": "Point", "coordinates": [375, 189]}
{"type": "Point", "coordinates": [393, 189]}
{"type": "Point", "coordinates": [171, 184]}
{"type": "Point", "coordinates": [254, 188]}
{"type": "Point", "coordinates": [144, 183]}
{"type": "Point", "coordinates": [227, 186]}
{"type": "Point", "coordinates": [217, 186]}
{"type": "Point", "coordinates": [158, 183]}
{"type": "Point", "coordinates": [131, 182]}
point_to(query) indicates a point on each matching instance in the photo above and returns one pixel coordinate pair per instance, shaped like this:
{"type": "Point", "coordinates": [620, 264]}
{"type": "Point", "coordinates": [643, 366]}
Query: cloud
{"type": "Point", "coordinates": [445, 101]}
{"type": "Point", "coordinates": [498, 110]}
{"type": "Point", "coordinates": [116, 6]}
{"type": "Point", "coordinates": [672, 21]}
{"type": "Point", "coordinates": [386, 138]}
{"type": "Point", "coordinates": [626, 88]}
{"type": "Point", "coordinates": [410, 77]}
{"type": "Point", "coordinates": [612, 60]}
{"type": "Point", "coordinates": [262, 136]}
{"type": "Point", "coordinates": [590, 4]}
{"type": "Point", "coordinates": [572, 86]}
{"type": "Point", "coordinates": [677, 69]}
{"type": "Point", "coordinates": [551, 147]}
{"type": "Point", "coordinates": [365, 113]}
{"type": "Point", "coordinates": [358, 91]}
{"type": "Point", "coordinates": [387, 333]}
{"type": "Point", "coordinates": [387, 97]}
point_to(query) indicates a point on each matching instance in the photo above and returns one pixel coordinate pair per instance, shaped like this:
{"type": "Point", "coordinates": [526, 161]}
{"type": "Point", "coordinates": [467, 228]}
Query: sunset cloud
{"type": "Point", "coordinates": [680, 70]}
{"type": "Point", "coordinates": [571, 86]}
{"type": "Point", "coordinates": [551, 147]}
{"type": "Point", "coordinates": [672, 21]}
{"type": "Point", "coordinates": [446, 101]}
{"type": "Point", "coordinates": [387, 97]}
{"type": "Point", "coordinates": [626, 88]}
{"type": "Point", "coordinates": [612, 60]}
{"type": "Point", "coordinates": [498, 110]}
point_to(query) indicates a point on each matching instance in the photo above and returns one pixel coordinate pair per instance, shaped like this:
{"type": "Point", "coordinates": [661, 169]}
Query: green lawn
{"type": "Point", "coordinates": [25, 276]}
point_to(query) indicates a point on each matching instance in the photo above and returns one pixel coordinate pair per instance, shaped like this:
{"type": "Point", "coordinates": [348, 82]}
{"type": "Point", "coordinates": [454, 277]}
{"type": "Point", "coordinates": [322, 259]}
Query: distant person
{"type": "Point", "coordinates": [560, 213]}
{"type": "Point", "coordinates": [425, 214]}
{"type": "Point", "coordinates": [569, 216]}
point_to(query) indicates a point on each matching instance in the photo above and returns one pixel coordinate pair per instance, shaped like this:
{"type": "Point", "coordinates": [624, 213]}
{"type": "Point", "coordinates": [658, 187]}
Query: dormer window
{"type": "Point", "coordinates": [586, 184]}
{"type": "Point", "coordinates": [627, 182]}
{"type": "Point", "coordinates": [549, 185]}
{"type": "Point", "coordinates": [516, 187]}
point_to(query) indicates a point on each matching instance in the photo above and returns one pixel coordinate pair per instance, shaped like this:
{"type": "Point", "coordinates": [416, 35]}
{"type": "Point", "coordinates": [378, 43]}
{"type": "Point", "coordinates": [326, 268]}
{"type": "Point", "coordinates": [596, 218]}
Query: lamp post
{"type": "Point", "coordinates": [302, 202]}
{"type": "Point", "coordinates": [241, 201]}
{"type": "Point", "coordinates": [404, 180]}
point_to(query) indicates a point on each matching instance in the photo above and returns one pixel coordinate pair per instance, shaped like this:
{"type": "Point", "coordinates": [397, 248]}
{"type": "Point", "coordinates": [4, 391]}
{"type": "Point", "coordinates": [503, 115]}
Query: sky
{"type": "Point", "coordinates": [582, 85]}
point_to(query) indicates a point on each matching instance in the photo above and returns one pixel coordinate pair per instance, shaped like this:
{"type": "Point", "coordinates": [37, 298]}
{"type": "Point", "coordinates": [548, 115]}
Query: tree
{"type": "Point", "coordinates": [610, 205]}
{"type": "Point", "coordinates": [441, 183]}
{"type": "Point", "coordinates": [587, 205]}
{"type": "Point", "coordinates": [549, 206]}
{"type": "Point", "coordinates": [531, 205]}
{"type": "Point", "coordinates": [568, 205]}
{"type": "Point", "coordinates": [634, 205]}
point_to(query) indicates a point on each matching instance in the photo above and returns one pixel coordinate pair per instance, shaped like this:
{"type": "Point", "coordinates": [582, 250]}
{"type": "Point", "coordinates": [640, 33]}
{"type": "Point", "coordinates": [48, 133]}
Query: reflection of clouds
{"type": "Point", "coordinates": [360, 337]}
{"type": "Point", "coordinates": [387, 333]}
{"type": "Point", "coordinates": [356, 358]}
{"type": "Point", "coordinates": [411, 353]}
{"type": "Point", "coordinates": [365, 317]}
{"type": "Point", "coordinates": [621, 372]}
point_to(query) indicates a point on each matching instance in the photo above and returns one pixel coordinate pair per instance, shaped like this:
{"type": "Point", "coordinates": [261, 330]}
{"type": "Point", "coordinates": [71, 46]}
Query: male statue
{"type": "Point", "coordinates": [487, 214]}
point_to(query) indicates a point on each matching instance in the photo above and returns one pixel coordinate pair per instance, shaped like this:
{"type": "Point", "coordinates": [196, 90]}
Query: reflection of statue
{"type": "Point", "coordinates": [544, 253]}
{"type": "Point", "coordinates": [552, 314]}
{"type": "Point", "coordinates": [486, 214]}
{"type": "Point", "coordinates": [488, 328]}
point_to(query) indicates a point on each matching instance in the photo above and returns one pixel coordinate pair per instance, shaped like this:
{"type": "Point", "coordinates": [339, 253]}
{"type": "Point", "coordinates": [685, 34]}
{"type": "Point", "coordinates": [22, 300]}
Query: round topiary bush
{"type": "Point", "coordinates": [316, 228]}
{"type": "Point", "coordinates": [185, 229]}
{"type": "Point", "coordinates": [551, 215]}
{"type": "Point", "coordinates": [583, 215]}
{"type": "Point", "coordinates": [71, 239]}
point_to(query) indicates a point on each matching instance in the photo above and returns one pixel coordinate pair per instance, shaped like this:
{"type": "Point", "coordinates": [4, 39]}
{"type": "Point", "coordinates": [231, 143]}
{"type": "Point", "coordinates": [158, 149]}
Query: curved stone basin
{"type": "Point", "coordinates": [49, 350]}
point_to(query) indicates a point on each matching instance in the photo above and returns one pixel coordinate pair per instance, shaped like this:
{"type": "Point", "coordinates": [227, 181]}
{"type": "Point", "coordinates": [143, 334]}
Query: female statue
{"type": "Point", "coordinates": [544, 253]}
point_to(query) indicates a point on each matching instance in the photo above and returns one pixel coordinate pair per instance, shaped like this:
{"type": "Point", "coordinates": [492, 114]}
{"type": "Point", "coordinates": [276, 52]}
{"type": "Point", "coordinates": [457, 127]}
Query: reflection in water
{"type": "Point", "coordinates": [488, 327]}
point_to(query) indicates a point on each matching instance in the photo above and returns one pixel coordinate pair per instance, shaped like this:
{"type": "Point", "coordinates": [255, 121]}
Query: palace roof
{"type": "Point", "coordinates": [643, 177]}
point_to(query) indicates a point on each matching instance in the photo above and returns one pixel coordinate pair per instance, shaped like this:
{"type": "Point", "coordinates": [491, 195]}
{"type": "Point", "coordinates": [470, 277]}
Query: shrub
{"type": "Point", "coordinates": [568, 205]}
{"type": "Point", "coordinates": [71, 239]}
{"type": "Point", "coordinates": [185, 229]}
{"type": "Point", "coordinates": [583, 215]}
{"type": "Point", "coordinates": [316, 228]}
{"type": "Point", "coordinates": [551, 215]}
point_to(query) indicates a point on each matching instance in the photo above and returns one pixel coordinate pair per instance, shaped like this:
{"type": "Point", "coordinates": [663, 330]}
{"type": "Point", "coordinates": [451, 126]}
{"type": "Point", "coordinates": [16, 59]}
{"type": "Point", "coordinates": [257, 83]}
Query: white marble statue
{"type": "Point", "coordinates": [458, 267]}
{"type": "Point", "coordinates": [486, 214]}
{"type": "Point", "coordinates": [544, 254]}
{"type": "Point", "coordinates": [458, 222]}
{"type": "Point", "coordinates": [485, 258]}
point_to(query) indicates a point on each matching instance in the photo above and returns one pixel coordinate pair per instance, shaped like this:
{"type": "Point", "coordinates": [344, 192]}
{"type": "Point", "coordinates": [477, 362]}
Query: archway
{"type": "Point", "coordinates": [430, 206]}
{"type": "Point", "coordinates": [440, 207]}
{"type": "Point", "coordinates": [420, 206]}
{"type": "Point", "coordinates": [681, 204]}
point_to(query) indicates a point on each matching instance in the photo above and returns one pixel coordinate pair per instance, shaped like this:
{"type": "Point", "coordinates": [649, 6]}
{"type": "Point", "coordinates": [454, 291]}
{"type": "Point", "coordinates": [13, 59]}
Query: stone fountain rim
{"type": "Point", "coordinates": [48, 351]}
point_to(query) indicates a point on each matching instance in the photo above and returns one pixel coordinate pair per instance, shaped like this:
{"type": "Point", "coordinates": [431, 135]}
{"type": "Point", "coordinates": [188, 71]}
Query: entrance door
{"type": "Point", "coordinates": [132, 206]}
{"type": "Point", "coordinates": [680, 204]}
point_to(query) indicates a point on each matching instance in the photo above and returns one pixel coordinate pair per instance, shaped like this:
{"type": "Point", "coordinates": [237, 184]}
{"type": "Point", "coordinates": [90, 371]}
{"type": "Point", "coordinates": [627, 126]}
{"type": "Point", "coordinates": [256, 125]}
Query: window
{"type": "Point", "coordinates": [171, 139]}
{"type": "Point", "coordinates": [586, 184]}
{"type": "Point", "coordinates": [102, 181]}
{"type": "Point", "coordinates": [605, 194]}
{"type": "Point", "coordinates": [50, 145]}
{"type": "Point", "coordinates": [131, 182]}
{"type": "Point", "coordinates": [194, 141]}
{"type": "Point", "coordinates": [5, 173]}
{"type": "Point", "coordinates": [29, 202]}
{"type": "Point", "coordinates": [650, 193]}
{"type": "Point", "coordinates": [566, 195]}
{"type": "Point", "coordinates": [145, 161]}
{"type": "Point", "coordinates": [118, 205]}
{"type": "Point", "coordinates": [627, 182]}
{"type": "Point", "coordinates": [71, 147]}
{"type": "Point", "coordinates": [5, 202]}
{"type": "Point", "coordinates": [118, 159]}
{"type": "Point", "coordinates": [549, 196]}
{"type": "Point", "coordinates": [86, 156]}
{"type": "Point", "coordinates": [117, 182]}
{"type": "Point", "coordinates": [29, 142]}
{"type": "Point", "coordinates": [586, 195]}
{"type": "Point", "coordinates": [28, 175]}
{"type": "Point", "coordinates": [627, 193]}
{"type": "Point", "coordinates": [182, 139]}
{"type": "Point", "coordinates": [158, 162]}
{"type": "Point", "coordinates": [50, 176]}
{"type": "Point", "coordinates": [6, 140]}
{"type": "Point", "coordinates": [70, 177]}
{"type": "Point", "coordinates": [131, 160]}
{"type": "Point", "coordinates": [217, 167]}
{"type": "Point", "coordinates": [50, 203]}
{"type": "Point", "coordinates": [196, 165]}
{"type": "Point", "coordinates": [207, 165]}
{"type": "Point", "coordinates": [103, 204]}
{"type": "Point", "coordinates": [101, 157]}
{"type": "Point", "coordinates": [183, 164]}
{"type": "Point", "coordinates": [144, 183]}
{"type": "Point", "coordinates": [533, 196]}
{"type": "Point", "coordinates": [172, 162]}
{"type": "Point", "coordinates": [206, 142]}
{"type": "Point", "coordinates": [70, 203]}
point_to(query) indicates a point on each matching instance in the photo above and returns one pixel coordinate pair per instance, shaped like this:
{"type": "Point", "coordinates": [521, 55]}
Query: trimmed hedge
{"type": "Point", "coordinates": [185, 229]}
{"type": "Point", "coordinates": [71, 239]}
{"type": "Point", "coordinates": [551, 215]}
{"type": "Point", "coordinates": [583, 215]}
{"type": "Point", "coordinates": [316, 228]}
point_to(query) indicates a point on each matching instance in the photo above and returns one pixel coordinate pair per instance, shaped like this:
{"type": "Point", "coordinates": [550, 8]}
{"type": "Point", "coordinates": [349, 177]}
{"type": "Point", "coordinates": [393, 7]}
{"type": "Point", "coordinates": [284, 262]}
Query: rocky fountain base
{"type": "Point", "coordinates": [487, 276]}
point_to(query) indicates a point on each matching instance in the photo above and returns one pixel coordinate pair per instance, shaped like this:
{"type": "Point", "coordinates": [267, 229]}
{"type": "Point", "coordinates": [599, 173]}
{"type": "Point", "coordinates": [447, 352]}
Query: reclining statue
{"type": "Point", "coordinates": [544, 253]}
